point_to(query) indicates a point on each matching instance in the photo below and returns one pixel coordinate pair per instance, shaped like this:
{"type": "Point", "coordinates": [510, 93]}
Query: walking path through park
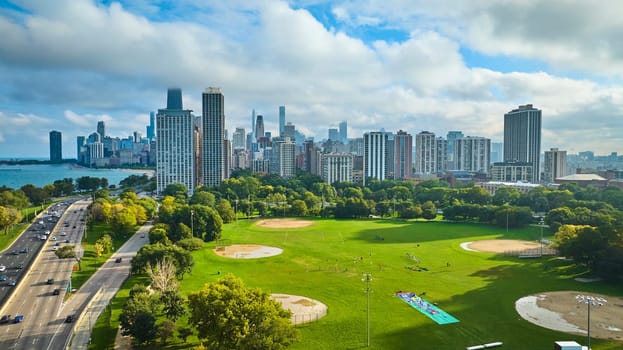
{"type": "Point", "coordinates": [92, 298]}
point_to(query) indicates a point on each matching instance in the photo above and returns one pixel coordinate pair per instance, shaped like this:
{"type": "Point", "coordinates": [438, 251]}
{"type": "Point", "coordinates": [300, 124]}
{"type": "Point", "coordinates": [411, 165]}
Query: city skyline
{"type": "Point", "coordinates": [410, 66]}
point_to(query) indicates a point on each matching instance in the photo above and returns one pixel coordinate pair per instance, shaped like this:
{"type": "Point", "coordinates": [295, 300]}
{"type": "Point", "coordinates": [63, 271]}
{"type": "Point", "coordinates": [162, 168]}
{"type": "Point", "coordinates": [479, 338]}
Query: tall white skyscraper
{"type": "Point", "coordinates": [375, 155]}
{"type": "Point", "coordinates": [472, 154]}
{"type": "Point", "coordinates": [283, 160]}
{"type": "Point", "coordinates": [522, 137]}
{"type": "Point", "coordinates": [213, 136]}
{"type": "Point", "coordinates": [428, 153]}
{"type": "Point", "coordinates": [554, 165]}
{"type": "Point", "coordinates": [175, 148]}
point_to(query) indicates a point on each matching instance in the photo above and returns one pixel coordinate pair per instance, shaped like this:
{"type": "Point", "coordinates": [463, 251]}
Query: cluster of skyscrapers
{"type": "Point", "coordinates": [195, 151]}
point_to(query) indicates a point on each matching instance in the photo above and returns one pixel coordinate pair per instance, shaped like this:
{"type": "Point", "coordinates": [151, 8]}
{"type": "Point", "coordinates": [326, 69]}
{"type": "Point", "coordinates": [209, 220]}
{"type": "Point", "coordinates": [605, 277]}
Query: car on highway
{"type": "Point", "coordinates": [68, 319]}
{"type": "Point", "coordinates": [5, 319]}
{"type": "Point", "coordinates": [2, 268]}
{"type": "Point", "coordinates": [14, 252]}
{"type": "Point", "coordinates": [24, 250]}
{"type": "Point", "coordinates": [63, 233]}
{"type": "Point", "coordinates": [55, 248]}
{"type": "Point", "coordinates": [4, 277]}
{"type": "Point", "coordinates": [118, 260]}
{"type": "Point", "coordinates": [50, 281]}
{"type": "Point", "coordinates": [54, 238]}
{"type": "Point", "coordinates": [57, 291]}
{"type": "Point", "coordinates": [19, 266]}
{"type": "Point", "coordinates": [18, 319]}
{"type": "Point", "coordinates": [12, 283]}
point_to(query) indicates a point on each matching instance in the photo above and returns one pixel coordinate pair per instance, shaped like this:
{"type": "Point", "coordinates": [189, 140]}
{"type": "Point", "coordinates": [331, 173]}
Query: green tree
{"type": "Point", "coordinates": [229, 315]}
{"type": "Point", "coordinates": [8, 218]}
{"type": "Point", "coordinates": [429, 211]}
{"type": "Point", "coordinates": [158, 235]}
{"type": "Point", "coordinates": [225, 211]}
{"type": "Point", "coordinates": [203, 198]}
{"type": "Point", "coordinates": [299, 208]}
{"type": "Point", "coordinates": [173, 304]}
{"type": "Point", "coordinates": [166, 329]}
{"type": "Point", "coordinates": [190, 244]}
{"type": "Point", "coordinates": [150, 254]}
{"type": "Point", "coordinates": [183, 333]}
{"type": "Point", "coordinates": [506, 195]}
{"type": "Point", "coordinates": [176, 191]}
{"type": "Point", "coordinates": [137, 318]}
{"type": "Point", "coordinates": [65, 252]}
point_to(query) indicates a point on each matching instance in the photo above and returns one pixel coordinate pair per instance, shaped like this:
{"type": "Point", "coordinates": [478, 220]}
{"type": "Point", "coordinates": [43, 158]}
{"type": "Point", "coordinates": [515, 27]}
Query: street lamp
{"type": "Point", "coordinates": [594, 301]}
{"type": "Point", "coordinates": [368, 278]}
{"type": "Point", "coordinates": [541, 223]}
{"type": "Point", "coordinates": [192, 223]}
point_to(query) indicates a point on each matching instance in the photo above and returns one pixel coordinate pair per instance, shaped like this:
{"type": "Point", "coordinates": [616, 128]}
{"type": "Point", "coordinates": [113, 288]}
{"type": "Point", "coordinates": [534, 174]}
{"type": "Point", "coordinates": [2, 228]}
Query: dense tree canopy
{"type": "Point", "coordinates": [228, 315]}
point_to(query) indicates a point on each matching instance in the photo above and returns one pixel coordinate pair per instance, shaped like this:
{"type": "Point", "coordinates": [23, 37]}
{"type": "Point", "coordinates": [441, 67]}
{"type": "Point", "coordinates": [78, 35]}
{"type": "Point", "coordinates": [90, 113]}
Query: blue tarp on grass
{"type": "Point", "coordinates": [433, 312]}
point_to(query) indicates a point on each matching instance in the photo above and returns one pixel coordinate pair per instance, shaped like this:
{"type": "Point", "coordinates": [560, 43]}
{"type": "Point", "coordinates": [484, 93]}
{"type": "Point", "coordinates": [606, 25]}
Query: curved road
{"type": "Point", "coordinates": [44, 325]}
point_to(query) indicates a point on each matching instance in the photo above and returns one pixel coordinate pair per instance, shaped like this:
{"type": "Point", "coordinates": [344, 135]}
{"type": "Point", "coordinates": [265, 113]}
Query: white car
{"type": "Point", "coordinates": [54, 238]}
{"type": "Point", "coordinates": [2, 268]}
{"type": "Point", "coordinates": [63, 233]}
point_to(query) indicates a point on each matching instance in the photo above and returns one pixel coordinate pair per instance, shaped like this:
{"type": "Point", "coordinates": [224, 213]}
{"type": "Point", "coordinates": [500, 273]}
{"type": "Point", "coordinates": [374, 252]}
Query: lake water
{"type": "Point", "coordinates": [16, 176]}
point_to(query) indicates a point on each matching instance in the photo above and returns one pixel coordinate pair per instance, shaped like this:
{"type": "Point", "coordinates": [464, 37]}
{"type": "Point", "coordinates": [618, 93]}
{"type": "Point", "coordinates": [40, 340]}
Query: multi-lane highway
{"type": "Point", "coordinates": [34, 296]}
{"type": "Point", "coordinates": [44, 325]}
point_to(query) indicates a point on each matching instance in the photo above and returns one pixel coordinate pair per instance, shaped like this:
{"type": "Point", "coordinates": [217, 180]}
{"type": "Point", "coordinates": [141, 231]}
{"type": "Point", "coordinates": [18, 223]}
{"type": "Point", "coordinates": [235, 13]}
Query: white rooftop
{"type": "Point", "coordinates": [581, 177]}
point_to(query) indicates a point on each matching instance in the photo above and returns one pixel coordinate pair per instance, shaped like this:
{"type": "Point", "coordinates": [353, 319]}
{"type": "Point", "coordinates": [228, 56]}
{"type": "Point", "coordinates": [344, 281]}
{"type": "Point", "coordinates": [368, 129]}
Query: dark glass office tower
{"type": "Point", "coordinates": [213, 134]}
{"type": "Point", "coordinates": [56, 146]}
{"type": "Point", "coordinates": [522, 137]}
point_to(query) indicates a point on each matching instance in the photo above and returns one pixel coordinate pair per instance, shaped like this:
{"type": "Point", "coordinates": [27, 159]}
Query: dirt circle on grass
{"type": "Point", "coordinates": [304, 309]}
{"type": "Point", "coordinates": [499, 245]}
{"type": "Point", "coordinates": [247, 251]}
{"type": "Point", "coordinates": [562, 312]}
{"type": "Point", "coordinates": [284, 223]}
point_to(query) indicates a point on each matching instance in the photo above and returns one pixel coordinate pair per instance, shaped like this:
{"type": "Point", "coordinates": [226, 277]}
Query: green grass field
{"type": "Point", "coordinates": [326, 261]}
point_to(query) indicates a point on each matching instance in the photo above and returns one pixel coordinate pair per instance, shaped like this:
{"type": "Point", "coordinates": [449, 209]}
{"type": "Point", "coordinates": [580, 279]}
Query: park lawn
{"type": "Point", "coordinates": [7, 239]}
{"type": "Point", "coordinates": [326, 261]}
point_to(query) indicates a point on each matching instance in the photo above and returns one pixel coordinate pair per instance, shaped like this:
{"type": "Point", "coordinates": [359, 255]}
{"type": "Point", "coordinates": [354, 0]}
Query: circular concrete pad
{"type": "Point", "coordinates": [303, 309]}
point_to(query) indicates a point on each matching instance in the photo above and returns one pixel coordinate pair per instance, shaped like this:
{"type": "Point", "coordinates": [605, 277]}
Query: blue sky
{"type": "Point", "coordinates": [395, 64]}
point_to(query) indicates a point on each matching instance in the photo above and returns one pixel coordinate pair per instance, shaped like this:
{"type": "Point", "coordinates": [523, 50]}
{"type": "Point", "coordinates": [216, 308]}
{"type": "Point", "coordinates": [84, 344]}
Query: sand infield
{"type": "Point", "coordinates": [499, 245]}
{"type": "Point", "coordinates": [247, 251]}
{"type": "Point", "coordinates": [303, 309]}
{"type": "Point", "coordinates": [561, 311]}
{"type": "Point", "coordinates": [284, 223]}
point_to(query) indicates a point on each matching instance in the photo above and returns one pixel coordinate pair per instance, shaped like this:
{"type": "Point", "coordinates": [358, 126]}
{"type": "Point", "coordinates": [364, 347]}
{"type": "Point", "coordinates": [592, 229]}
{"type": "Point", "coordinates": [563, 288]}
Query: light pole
{"type": "Point", "coordinates": [594, 301]}
{"type": "Point", "coordinates": [192, 223]}
{"type": "Point", "coordinates": [541, 223]}
{"type": "Point", "coordinates": [368, 278]}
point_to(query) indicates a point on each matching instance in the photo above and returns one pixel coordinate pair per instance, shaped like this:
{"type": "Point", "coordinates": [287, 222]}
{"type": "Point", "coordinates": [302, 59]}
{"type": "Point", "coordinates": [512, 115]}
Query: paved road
{"type": "Point", "coordinates": [17, 258]}
{"type": "Point", "coordinates": [44, 325]}
{"type": "Point", "coordinates": [33, 296]}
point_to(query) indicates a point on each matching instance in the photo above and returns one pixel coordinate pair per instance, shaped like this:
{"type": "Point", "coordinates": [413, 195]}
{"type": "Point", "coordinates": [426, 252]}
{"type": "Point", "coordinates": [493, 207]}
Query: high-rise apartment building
{"type": "Point", "coordinates": [56, 146]}
{"type": "Point", "coordinates": [451, 138]}
{"type": "Point", "coordinates": [175, 146]}
{"type": "Point", "coordinates": [426, 153]}
{"type": "Point", "coordinates": [343, 132]}
{"type": "Point", "coordinates": [554, 165]}
{"type": "Point", "coordinates": [375, 155]}
{"type": "Point", "coordinates": [238, 138]}
{"type": "Point", "coordinates": [337, 167]}
{"type": "Point", "coordinates": [282, 120]}
{"type": "Point", "coordinates": [522, 137]}
{"type": "Point", "coordinates": [101, 129]}
{"type": "Point", "coordinates": [472, 154]}
{"type": "Point", "coordinates": [283, 159]}
{"type": "Point", "coordinates": [213, 134]}
{"type": "Point", "coordinates": [403, 159]}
